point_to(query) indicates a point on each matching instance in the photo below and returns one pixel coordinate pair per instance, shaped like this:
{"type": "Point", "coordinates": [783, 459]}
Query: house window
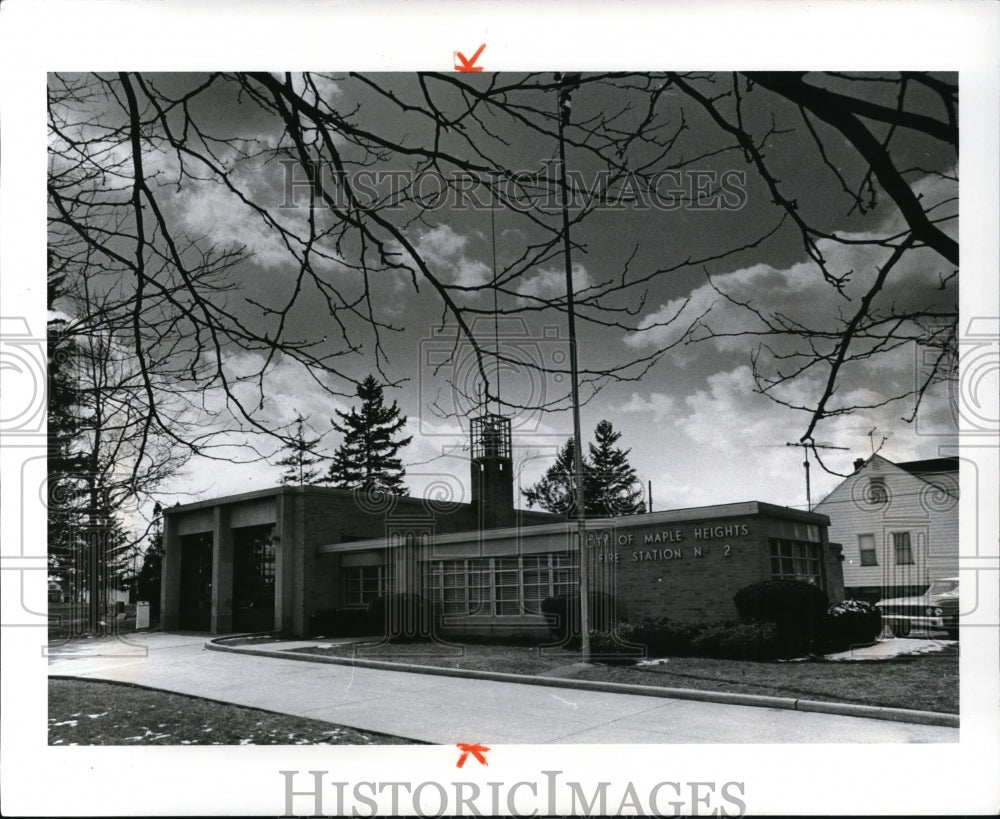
{"type": "Point", "coordinates": [878, 495]}
{"type": "Point", "coordinates": [866, 546]}
{"type": "Point", "coordinates": [795, 560]}
{"type": "Point", "coordinates": [901, 546]}
{"type": "Point", "coordinates": [499, 586]}
{"type": "Point", "coordinates": [362, 584]}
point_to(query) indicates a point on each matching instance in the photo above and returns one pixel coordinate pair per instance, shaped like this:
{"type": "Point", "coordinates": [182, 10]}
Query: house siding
{"type": "Point", "coordinates": [926, 508]}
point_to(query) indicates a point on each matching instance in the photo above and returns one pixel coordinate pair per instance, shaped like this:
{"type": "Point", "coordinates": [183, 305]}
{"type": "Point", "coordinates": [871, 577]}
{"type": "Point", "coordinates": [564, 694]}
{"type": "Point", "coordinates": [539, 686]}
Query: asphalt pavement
{"type": "Point", "coordinates": [447, 710]}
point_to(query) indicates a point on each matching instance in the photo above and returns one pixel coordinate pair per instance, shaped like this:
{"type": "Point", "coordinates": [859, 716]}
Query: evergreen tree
{"type": "Point", "coordinates": [614, 487]}
{"type": "Point", "coordinates": [149, 578]}
{"type": "Point", "coordinates": [555, 491]}
{"type": "Point", "coordinates": [103, 456]}
{"type": "Point", "coordinates": [609, 481]}
{"type": "Point", "coordinates": [67, 465]}
{"type": "Point", "coordinates": [368, 456]}
{"type": "Point", "coordinates": [300, 457]}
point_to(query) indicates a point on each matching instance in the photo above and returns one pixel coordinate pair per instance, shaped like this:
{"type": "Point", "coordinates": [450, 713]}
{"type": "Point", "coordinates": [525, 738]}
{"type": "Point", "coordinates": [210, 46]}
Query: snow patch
{"type": "Point", "coordinates": [892, 647]}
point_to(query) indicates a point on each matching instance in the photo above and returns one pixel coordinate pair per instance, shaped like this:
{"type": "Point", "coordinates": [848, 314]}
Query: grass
{"type": "Point", "coordinates": [926, 682]}
{"type": "Point", "coordinates": [87, 712]}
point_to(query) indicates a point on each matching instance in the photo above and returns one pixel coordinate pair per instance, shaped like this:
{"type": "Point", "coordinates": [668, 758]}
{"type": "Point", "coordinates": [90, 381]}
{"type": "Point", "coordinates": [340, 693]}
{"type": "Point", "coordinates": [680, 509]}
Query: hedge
{"type": "Point", "coordinates": [797, 610]}
{"type": "Point", "coordinates": [341, 623]}
{"type": "Point", "coordinates": [562, 613]}
{"type": "Point", "coordinates": [848, 624]}
{"type": "Point", "coordinates": [402, 617]}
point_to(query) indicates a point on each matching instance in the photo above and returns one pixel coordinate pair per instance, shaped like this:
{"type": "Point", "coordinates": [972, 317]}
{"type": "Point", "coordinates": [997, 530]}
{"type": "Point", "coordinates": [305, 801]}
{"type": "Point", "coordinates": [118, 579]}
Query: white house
{"type": "Point", "coordinates": [898, 525]}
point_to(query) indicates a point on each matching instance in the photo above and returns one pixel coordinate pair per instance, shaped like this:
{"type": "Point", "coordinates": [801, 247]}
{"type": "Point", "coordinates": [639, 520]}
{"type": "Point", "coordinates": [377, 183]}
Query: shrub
{"type": "Point", "coordinates": [615, 646]}
{"type": "Point", "coordinates": [341, 623]}
{"type": "Point", "coordinates": [851, 623]}
{"type": "Point", "coordinates": [563, 614]}
{"type": "Point", "coordinates": [738, 641]}
{"type": "Point", "coordinates": [797, 610]}
{"type": "Point", "coordinates": [663, 637]}
{"type": "Point", "coordinates": [404, 616]}
{"type": "Point", "coordinates": [666, 638]}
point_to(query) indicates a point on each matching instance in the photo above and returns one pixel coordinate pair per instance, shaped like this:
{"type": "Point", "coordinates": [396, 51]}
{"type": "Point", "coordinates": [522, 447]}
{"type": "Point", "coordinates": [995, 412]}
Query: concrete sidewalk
{"type": "Point", "coordinates": [446, 710]}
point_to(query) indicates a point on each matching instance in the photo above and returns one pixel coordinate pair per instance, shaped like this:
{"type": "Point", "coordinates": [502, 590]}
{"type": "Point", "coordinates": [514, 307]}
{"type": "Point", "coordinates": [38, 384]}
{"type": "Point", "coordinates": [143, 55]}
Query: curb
{"type": "Point", "coordinates": [755, 700]}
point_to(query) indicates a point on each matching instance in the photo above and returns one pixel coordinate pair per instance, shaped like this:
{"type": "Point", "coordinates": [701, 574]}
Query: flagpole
{"type": "Point", "coordinates": [581, 527]}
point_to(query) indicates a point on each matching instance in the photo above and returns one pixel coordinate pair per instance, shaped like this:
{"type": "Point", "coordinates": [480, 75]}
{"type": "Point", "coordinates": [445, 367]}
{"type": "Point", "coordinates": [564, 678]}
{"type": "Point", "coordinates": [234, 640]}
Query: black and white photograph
{"type": "Point", "coordinates": [591, 440]}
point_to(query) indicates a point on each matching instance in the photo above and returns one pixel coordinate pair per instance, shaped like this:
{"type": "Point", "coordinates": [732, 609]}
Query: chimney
{"type": "Point", "coordinates": [858, 463]}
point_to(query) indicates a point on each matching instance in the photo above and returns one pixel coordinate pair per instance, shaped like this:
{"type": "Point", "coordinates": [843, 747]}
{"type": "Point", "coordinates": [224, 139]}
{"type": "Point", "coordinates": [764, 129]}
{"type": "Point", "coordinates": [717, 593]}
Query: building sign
{"type": "Point", "coordinates": [652, 544]}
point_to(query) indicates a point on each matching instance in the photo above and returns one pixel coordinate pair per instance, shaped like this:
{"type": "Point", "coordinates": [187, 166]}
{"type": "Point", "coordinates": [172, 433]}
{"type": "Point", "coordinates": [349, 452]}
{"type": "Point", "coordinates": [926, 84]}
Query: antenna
{"type": "Point", "coordinates": [871, 439]}
{"type": "Point", "coordinates": [805, 463]}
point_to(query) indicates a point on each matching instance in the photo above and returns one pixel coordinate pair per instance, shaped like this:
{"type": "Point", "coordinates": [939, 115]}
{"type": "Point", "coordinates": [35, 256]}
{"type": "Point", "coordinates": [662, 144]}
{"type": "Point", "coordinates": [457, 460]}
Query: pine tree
{"type": "Point", "coordinates": [150, 575]}
{"type": "Point", "coordinates": [368, 457]}
{"type": "Point", "coordinates": [67, 464]}
{"type": "Point", "coordinates": [66, 488]}
{"type": "Point", "coordinates": [300, 457]}
{"type": "Point", "coordinates": [555, 491]}
{"type": "Point", "coordinates": [609, 481]}
{"type": "Point", "coordinates": [614, 487]}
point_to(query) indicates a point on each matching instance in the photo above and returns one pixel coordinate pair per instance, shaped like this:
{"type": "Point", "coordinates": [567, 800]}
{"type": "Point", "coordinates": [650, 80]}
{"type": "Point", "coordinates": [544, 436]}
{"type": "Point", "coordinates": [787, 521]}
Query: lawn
{"type": "Point", "coordinates": [926, 682]}
{"type": "Point", "coordinates": [87, 712]}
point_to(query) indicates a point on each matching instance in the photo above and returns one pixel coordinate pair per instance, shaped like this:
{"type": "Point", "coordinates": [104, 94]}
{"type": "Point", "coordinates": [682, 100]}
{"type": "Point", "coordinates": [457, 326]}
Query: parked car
{"type": "Point", "coordinates": [936, 608]}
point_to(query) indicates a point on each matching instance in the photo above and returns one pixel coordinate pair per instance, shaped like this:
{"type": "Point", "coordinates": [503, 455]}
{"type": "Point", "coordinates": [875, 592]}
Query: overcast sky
{"type": "Point", "coordinates": [693, 422]}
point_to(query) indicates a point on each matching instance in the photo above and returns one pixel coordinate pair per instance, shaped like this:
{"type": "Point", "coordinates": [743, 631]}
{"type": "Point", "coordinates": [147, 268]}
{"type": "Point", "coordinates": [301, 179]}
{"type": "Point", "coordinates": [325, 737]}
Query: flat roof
{"type": "Point", "coordinates": [725, 510]}
{"type": "Point", "coordinates": [274, 491]}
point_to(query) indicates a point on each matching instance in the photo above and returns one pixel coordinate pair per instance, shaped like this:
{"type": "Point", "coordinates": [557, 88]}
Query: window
{"type": "Point", "coordinates": [461, 585]}
{"type": "Point", "coordinates": [362, 584]}
{"type": "Point", "coordinates": [795, 560]}
{"type": "Point", "coordinates": [866, 546]}
{"type": "Point", "coordinates": [501, 585]}
{"type": "Point", "coordinates": [901, 546]}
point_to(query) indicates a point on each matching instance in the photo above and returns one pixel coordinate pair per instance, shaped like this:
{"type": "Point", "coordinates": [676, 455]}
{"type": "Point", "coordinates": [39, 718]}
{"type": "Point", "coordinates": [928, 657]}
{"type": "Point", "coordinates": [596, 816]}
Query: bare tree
{"type": "Point", "coordinates": [869, 133]}
{"type": "Point", "coordinates": [130, 151]}
{"type": "Point", "coordinates": [105, 458]}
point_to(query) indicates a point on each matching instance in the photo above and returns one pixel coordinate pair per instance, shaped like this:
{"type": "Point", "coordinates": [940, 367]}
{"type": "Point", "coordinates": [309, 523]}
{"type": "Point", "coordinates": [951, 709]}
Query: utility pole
{"type": "Point", "coordinates": [566, 85]}
{"type": "Point", "coordinates": [805, 463]}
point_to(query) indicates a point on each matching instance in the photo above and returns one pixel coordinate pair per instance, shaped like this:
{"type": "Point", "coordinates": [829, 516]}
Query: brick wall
{"type": "Point", "coordinates": [686, 565]}
{"type": "Point", "coordinates": [334, 516]}
{"type": "Point", "coordinates": [668, 571]}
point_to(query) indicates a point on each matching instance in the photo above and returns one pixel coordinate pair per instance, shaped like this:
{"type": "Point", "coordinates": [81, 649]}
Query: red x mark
{"type": "Point", "coordinates": [477, 751]}
{"type": "Point", "coordinates": [464, 65]}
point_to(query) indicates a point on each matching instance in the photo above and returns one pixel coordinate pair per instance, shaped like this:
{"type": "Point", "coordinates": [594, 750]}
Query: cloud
{"type": "Point", "coordinates": [550, 282]}
{"type": "Point", "coordinates": [209, 209]}
{"type": "Point", "coordinates": [728, 404]}
{"type": "Point", "coordinates": [441, 244]}
{"type": "Point", "coordinates": [444, 250]}
{"type": "Point", "coordinates": [801, 294]}
{"type": "Point", "coordinates": [661, 406]}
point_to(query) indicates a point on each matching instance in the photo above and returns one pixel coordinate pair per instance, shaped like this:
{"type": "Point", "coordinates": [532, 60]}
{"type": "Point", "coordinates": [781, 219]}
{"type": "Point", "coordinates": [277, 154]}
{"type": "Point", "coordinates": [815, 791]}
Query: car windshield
{"type": "Point", "coordinates": [942, 586]}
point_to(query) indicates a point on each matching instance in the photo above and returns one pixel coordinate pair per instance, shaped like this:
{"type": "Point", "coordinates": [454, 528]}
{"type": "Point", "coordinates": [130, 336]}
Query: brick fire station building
{"type": "Point", "coordinates": [268, 560]}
